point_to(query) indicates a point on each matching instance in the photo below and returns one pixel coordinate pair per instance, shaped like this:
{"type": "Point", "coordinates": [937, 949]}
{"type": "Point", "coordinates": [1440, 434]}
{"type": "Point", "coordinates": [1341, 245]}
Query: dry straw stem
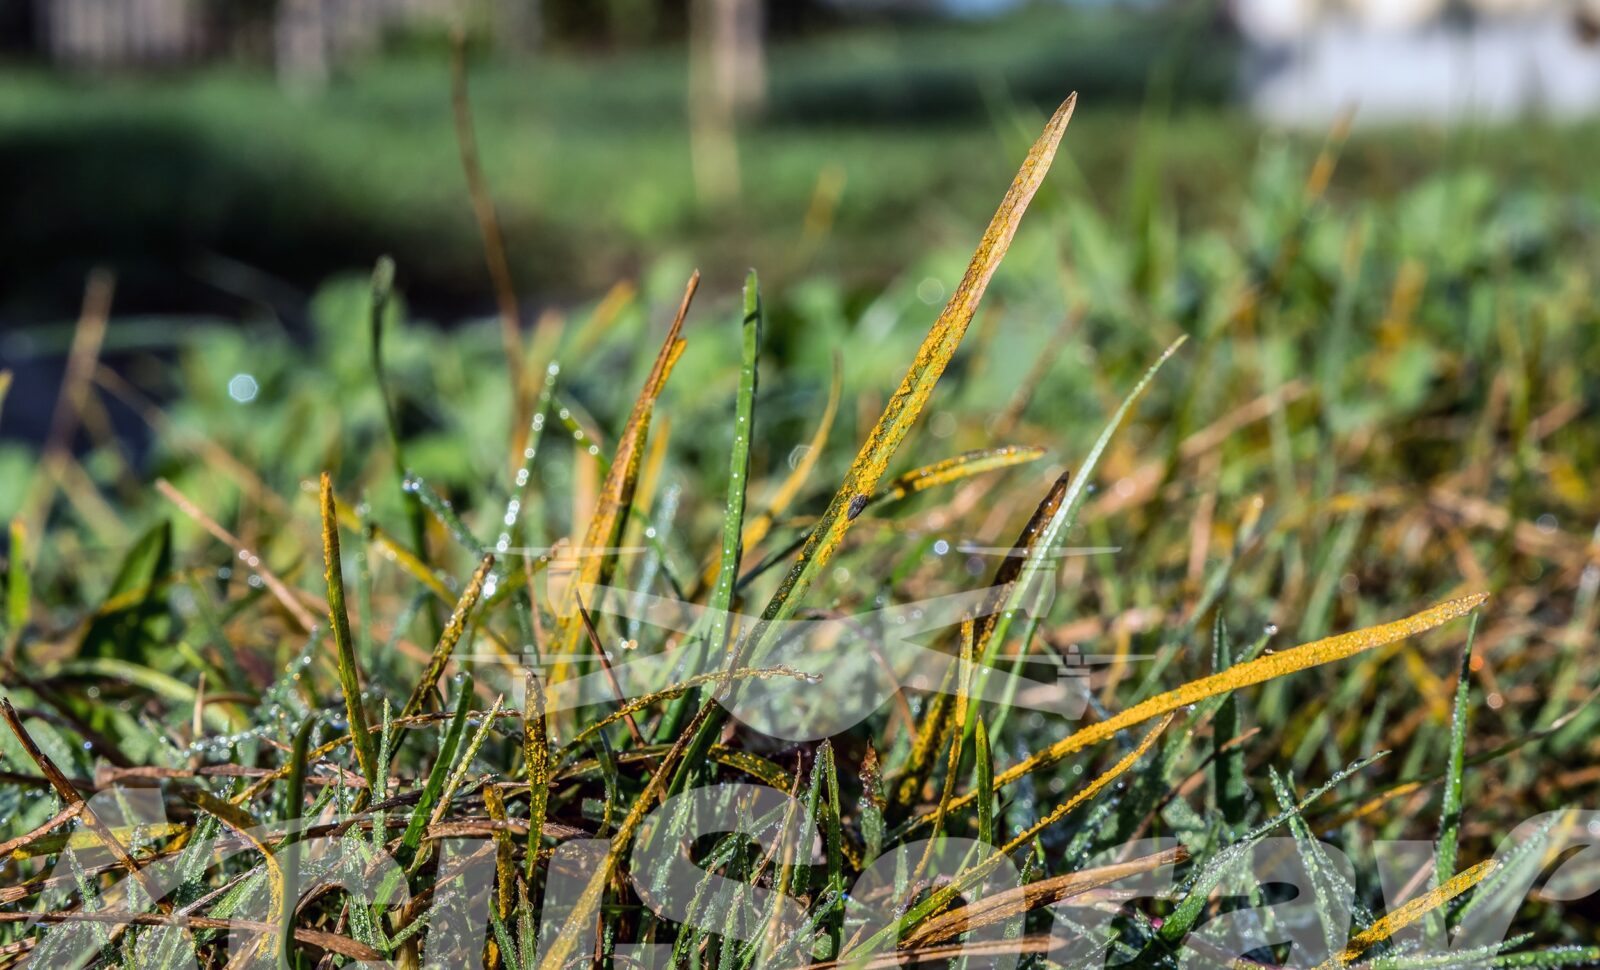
{"type": "Point", "coordinates": [1003, 906]}
{"type": "Point", "coordinates": [69, 794]}
{"type": "Point", "coordinates": [1256, 671]}
{"type": "Point", "coordinates": [279, 590]}
{"type": "Point", "coordinates": [870, 463]}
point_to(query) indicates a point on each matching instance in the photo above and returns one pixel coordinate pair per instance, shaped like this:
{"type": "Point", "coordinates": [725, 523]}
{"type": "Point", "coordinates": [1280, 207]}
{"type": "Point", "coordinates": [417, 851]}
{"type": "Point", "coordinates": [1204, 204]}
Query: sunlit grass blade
{"type": "Point", "coordinates": [454, 630]}
{"type": "Point", "coordinates": [1019, 575]}
{"type": "Point", "coordinates": [616, 494]}
{"type": "Point", "coordinates": [443, 762]}
{"type": "Point", "coordinates": [588, 903]}
{"type": "Point", "coordinates": [1450, 811]}
{"type": "Point", "coordinates": [1410, 912]}
{"type": "Point", "coordinates": [904, 929]}
{"type": "Point", "coordinates": [758, 527]}
{"type": "Point", "coordinates": [932, 357]}
{"type": "Point", "coordinates": [1246, 674]}
{"type": "Point", "coordinates": [983, 784]}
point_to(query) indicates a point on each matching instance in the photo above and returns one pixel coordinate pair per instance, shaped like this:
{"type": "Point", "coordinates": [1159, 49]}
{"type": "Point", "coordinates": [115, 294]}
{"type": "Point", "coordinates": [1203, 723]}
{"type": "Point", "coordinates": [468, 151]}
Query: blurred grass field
{"type": "Point", "coordinates": [218, 190]}
{"type": "Point", "coordinates": [1384, 402]}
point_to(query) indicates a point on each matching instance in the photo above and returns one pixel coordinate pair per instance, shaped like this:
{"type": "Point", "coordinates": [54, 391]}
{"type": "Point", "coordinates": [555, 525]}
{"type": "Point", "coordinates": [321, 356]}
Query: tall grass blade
{"type": "Point", "coordinates": [339, 620]}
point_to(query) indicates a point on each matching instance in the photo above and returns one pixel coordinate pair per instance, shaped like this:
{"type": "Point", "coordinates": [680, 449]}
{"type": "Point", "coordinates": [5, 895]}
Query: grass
{"type": "Point", "coordinates": [216, 191]}
{"type": "Point", "coordinates": [1319, 437]}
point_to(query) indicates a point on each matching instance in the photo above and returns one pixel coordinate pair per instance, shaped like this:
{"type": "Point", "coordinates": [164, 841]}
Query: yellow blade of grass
{"type": "Point", "coordinates": [1247, 674]}
{"type": "Point", "coordinates": [903, 409]}
{"type": "Point", "coordinates": [868, 468]}
{"type": "Point", "coordinates": [453, 632]}
{"type": "Point", "coordinates": [588, 903]}
{"type": "Point", "coordinates": [955, 468]}
{"type": "Point", "coordinates": [1409, 913]}
{"type": "Point", "coordinates": [758, 528]}
{"type": "Point", "coordinates": [245, 826]}
{"type": "Point", "coordinates": [616, 495]}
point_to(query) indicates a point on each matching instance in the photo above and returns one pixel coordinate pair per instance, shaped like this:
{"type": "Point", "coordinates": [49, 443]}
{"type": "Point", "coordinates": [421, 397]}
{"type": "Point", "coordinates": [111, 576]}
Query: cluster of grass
{"type": "Point", "coordinates": [1313, 438]}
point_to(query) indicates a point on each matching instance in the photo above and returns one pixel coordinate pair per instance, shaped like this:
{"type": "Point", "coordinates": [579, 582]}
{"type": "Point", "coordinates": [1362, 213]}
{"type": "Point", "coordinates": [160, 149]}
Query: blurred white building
{"type": "Point", "coordinates": [1398, 60]}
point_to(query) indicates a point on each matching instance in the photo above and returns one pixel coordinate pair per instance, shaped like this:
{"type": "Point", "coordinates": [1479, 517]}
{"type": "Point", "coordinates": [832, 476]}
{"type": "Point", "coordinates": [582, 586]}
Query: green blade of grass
{"type": "Point", "coordinates": [19, 589]}
{"type": "Point", "coordinates": [983, 784]}
{"type": "Point", "coordinates": [290, 846]}
{"type": "Point", "coordinates": [738, 470]}
{"type": "Point", "coordinates": [339, 620]}
{"type": "Point", "coordinates": [1199, 891]}
{"type": "Point", "coordinates": [1450, 811]}
{"type": "Point", "coordinates": [440, 770]}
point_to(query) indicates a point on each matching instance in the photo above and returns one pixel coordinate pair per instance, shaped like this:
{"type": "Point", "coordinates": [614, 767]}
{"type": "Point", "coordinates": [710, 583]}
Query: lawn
{"type": "Point", "coordinates": [217, 191]}
{"type": "Point", "coordinates": [1246, 524]}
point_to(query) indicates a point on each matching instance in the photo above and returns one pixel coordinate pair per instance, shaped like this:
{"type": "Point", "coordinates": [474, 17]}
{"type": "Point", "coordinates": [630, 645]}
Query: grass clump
{"type": "Point", "coordinates": [1341, 420]}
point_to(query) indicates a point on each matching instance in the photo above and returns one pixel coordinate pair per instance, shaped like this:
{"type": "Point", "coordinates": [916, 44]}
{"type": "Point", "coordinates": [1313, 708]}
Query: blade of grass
{"type": "Point", "coordinates": [19, 589]}
{"type": "Point", "coordinates": [454, 629]}
{"type": "Point", "coordinates": [339, 620]}
{"type": "Point", "coordinates": [616, 495]}
{"type": "Point", "coordinates": [738, 471]}
{"type": "Point", "coordinates": [1410, 912]}
{"type": "Point", "coordinates": [440, 770]}
{"type": "Point", "coordinates": [1017, 575]}
{"type": "Point", "coordinates": [932, 357]}
{"type": "Point", "coordinates": [1246, 674]}
{"type": "Point", "coordinates": [1450, 812]}
{"type": "Point", "coordinates": [381, 293]}
{"type": "Point", "coordinates": [290, 846]}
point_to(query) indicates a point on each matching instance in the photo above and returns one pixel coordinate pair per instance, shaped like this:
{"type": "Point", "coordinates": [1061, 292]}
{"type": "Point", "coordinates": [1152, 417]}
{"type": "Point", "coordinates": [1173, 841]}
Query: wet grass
{"type": "Point", "coordinates": [1314, 488]}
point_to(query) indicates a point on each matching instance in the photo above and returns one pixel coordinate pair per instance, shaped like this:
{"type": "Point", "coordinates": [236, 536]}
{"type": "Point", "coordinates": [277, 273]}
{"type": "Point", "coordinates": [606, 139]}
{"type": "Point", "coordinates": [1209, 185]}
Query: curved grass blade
{"type": "Point", "coordinates": [1018, 576]}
